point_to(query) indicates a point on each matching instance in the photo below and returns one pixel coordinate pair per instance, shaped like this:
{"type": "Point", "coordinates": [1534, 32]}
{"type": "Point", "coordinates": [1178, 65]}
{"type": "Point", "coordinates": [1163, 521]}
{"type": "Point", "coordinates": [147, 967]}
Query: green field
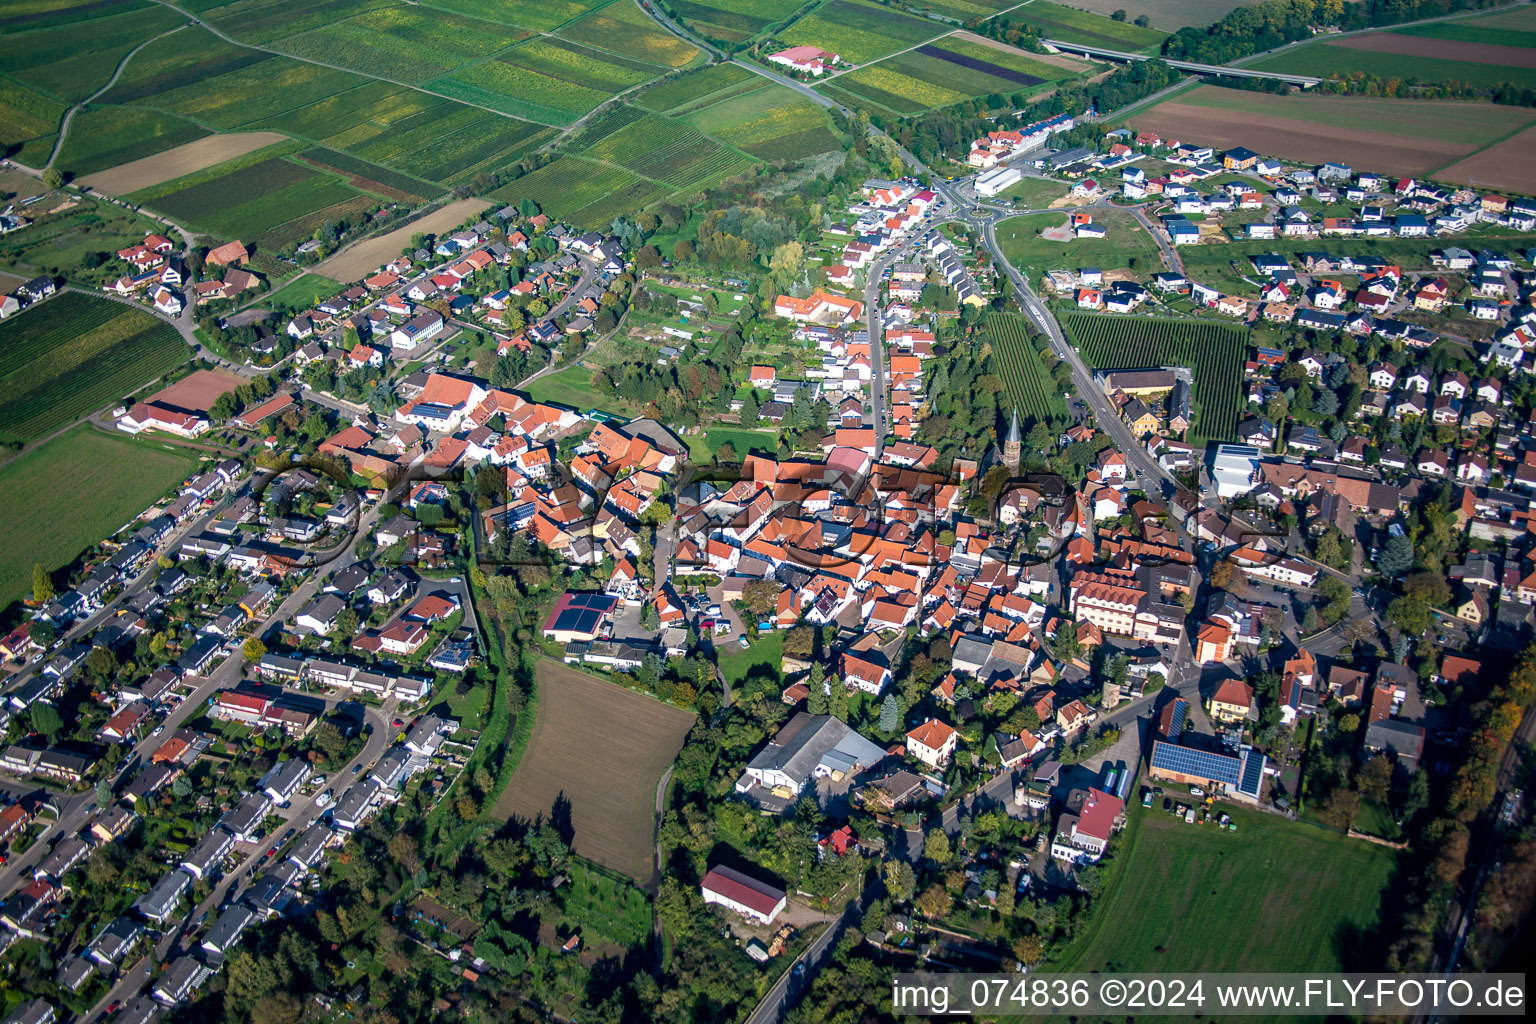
{"type": "Point", "coordinates": [1033, 193]}
{"type": "Point", "coordinates": [585, 193]}
{"type": "Point", "coordinates": [625, 29]}
{"type": "Point", "coordinates": [550, 80]}
{"type": "Point", "coordinates": [606, 908]}
{"type": "Point", "coordinates": [704, 447]}
{"type": "Point", "coordinates": [660, 149]}
{"type": "Point", "coordinates": [736, 664]}
{"type": "Point", "coordinates": [1502, 28]}
{"type": "Point", "coordinates": [539, 15]}
{"type": "Point", "coordinates": [947, 71]}
{"type": "Point", "coordinates": [1072, 26]}
{"type": "Point", "coordinates": [698, 88]}
{"type": "Point", "coordinates": [733, 21]}
{"type": "Point", "coordinates": [571, 387]}
{"type": "Point", "coordinates": [303, 292]}
{"type": "Point", "coordinates": [771, 123]}
{"type": "Point", "coordinates": [73, 354]}
{"type": "Point", "coordinates": [60, 498]}
{"type": "Point", "coordinates": [61, 241]}
{"type": "Point", "coordinates": [1278, 892]}
{"type": "Point", "coordinates": [1166, 15]}
{"type": "Point", "coordinates": [859, 32]}
{"type": "Point", "coordinates": [1030, 387]}
{"type": "Point", "coordinates": [1323, 58]}
{"type": "Point", "coordinates": [1215, 353]}
{"type": "Point", "coordinates": [1124, 241]}
{"type": "Point", "coordinates": [69, 62]}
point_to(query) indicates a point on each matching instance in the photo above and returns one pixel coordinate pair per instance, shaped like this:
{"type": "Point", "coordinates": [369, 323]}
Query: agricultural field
{"type": "Point", "coordinates": [1166, 15]}
{"type": "Point", "coordinates": [1030, 387]}
{"type": "Point", "coordinates": [189, 83]}
{"type": "Point", "coordinates": [357, 261]}
{"type": "Point", "coordinates": [625, 29]}
{"type": "Point", "coordinates": [612, 794]}
{"type": "Point", "coordinates": [402, 44]}
{"type": "Point", "coordinates": [1485, 51]}
{"type": "Point", "coordinates": [1072, 26]}
{"type": "Point", "coordinates": [262, 197]}
{"type": "Point", "coordinates": [64, 496]}
{"type": "Point", "coordinates": [772, 123]}
{"type": "Point", "coordinates": [1125, 244]}
{"type": "Point", "coordinates": [264, 21]}
{"type": "Point", "coordinates": [961, 10]}
{"type": "Point", "coordinates": [189, 158]}
{"type": "Point", "coordinates": [952, 70]}
{"type": "Point", "coordinates": [71, 61]}
{"type": "Point", "coordinates": [859, 32]}
{"type": "Point", "coordinates": [1033, 193]}
{"type": "Point", "coordinates": [73, 354]}
{"type": "Point", "coordinates": [548, 80]}
{"type": "Point", "coordinates": [27, 115]}
{"type": "Point", "coordinates": [539, 15]}
{"type": "Point", "coordinates": [585, 193]}
{"type": "Point", "coordinates": [697, 88]}
{"type": "Point", "coordinates": [660, 149]}
{"type": "Point", "coordinates": [1215, 353]}
{"type": "Point", "coordinates": [733, 21]}
{"type": "Point", "coordinates": [1414, 137]}
{"type": "Point", "coordinates": [1318, 893]}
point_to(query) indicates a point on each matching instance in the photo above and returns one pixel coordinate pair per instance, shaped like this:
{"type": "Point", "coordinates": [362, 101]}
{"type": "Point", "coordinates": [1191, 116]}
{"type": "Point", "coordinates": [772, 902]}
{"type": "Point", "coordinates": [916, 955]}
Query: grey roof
{"type": "Point", "coordinates": [226, 930]}
{"type": "Point", "coordinates": [307, 849]}
{"type": "Point", "coordinates": [161, 900]}
{"type": "Point", "coordinates": [809, 741]}
{"type": "Point", "coordinates": [246, 815]}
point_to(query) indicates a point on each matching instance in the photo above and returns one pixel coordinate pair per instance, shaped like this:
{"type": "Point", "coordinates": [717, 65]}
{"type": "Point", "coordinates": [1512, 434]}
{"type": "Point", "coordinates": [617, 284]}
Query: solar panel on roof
{"type": "Point", "coordinates": [1189, 761]}
{"type": "Point", "coordinates": [1180, 713]}
{"type": "Point", "coordinates": [1252, 773]}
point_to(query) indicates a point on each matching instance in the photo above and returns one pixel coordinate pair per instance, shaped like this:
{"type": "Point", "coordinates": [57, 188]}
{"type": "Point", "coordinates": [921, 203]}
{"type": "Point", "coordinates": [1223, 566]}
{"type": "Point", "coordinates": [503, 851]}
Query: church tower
{"type": "Point", "coordinates": [1013, 447]}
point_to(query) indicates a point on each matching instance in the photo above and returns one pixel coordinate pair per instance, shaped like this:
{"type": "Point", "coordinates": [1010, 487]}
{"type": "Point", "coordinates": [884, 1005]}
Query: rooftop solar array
{"type": "Point", "coordinates": [1203, 763]}
{"type": "Point", "coordinates": [1252, 774]}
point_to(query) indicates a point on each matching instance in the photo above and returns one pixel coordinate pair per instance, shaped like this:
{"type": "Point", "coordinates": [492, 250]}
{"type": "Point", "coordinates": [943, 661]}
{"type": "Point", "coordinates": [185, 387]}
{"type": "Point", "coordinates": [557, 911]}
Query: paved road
{"type": "Point", "coordinates": [795, 982]}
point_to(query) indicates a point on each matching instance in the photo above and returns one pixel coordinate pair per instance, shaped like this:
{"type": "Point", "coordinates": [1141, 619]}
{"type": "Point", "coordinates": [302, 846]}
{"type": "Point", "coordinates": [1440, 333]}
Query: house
{"type": "Point", "coordinates": [933, 743]}
{"type": "Point", "coordinates": [230, 254]}
{"type": "Point", "coordinates": [1232, 702]}
{"type": "Point", "coordinates": [807, 748]}
{"type": "Point", "coordinates": [726, 887]}
{"type": "Point", "coordinates": [809, 60]}
{"type": "Point", "coordinates": [1083, 837]}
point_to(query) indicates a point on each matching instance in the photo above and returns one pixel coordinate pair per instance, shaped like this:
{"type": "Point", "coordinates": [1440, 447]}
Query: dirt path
{"type": "Point", "coordinates": [69, 114]}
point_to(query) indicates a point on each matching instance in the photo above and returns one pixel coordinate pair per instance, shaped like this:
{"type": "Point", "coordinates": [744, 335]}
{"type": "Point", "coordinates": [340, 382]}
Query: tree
{"type": "Point", "coordinates": [936, 846]}
{"type": "Point", "coordinates": [253, 649]}
{"type": "Point", "coordinates": [1028, 950]}
{"type": "Point", "coordinates": [1396, 555]}
{"type": "Point", "coordinates": [890, 714]}
{"type": "Point", "coordinates": [53, 178]}
{"type": "Point", "coordinates": [1143, 21]}
{"type": "Point", "coordinates": [42, 584]}
{"type": "Point", "coordinates": [899, 879]}
{"type": "Point", "coordinates": [46, 720]}
{"type": "Point", "coordinates": [934, 902]}
{"type": "Point", "coordinates": [103, 793]}
{"type": "Point", "coordinates": [762, 597]}
{"type": "Point", "coordinates": [816, 703]}
{"type": "Point", "coordinates": [1225, 575]}
{"type": "Point", "coordinates": [1119, 15]}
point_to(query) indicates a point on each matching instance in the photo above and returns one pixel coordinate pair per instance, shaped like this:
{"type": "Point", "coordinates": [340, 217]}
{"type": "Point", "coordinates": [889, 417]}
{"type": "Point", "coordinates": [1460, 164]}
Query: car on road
{"type": "Point", "coordinates": [158, 730]}
{"type": "Point", "coordinates": [356, 768]}
{"type": "Point", "coordinates": [399, 722]}
{"type": "Point", "coordinates": [272, 852]}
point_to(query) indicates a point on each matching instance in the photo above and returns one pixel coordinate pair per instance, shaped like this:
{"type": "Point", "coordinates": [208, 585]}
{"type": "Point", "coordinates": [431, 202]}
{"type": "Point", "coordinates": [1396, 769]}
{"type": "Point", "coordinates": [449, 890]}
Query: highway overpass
{"type": "Point", "coordinates": [1305, 81]}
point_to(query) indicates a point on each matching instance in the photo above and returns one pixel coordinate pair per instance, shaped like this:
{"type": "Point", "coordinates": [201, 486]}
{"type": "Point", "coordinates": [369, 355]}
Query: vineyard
{"type": "Point", "coordinates": [625, 29]}
{"type": "Point", "coordinates": [666, 151]}
{"type": "Point", "coordinates": [1030, 387]}
{"type": "Point", "coordinates": [859, 32]}
{"type": "Point", "coordinates": [74, 354]}
{"type": "Point", "coordinates": [1213, 351]}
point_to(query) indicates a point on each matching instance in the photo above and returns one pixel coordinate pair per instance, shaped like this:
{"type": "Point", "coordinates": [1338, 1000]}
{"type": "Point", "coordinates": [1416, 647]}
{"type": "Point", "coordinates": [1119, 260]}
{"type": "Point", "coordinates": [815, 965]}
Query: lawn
{"type": "Point", "coordinates": [571, 386]}
{"type": "Point", "coordinates": [303, 292]}
{"type": "Point", "coordinates": [1034, 193]}
{"type": "Point", "coordinates": [74, 354]}
{"type": "Point", "coordinates": [704, 447]}
{"type": "Point", "coordinates": [1033, 255]}
{"type": "Point", "coordinates": [1284, 895]}
{"type": "Point", "coordinates": [736, 664]}
{"type": "Point", "coordinates": [59, 499]}
{"type": "Point", "coordinates": [601, 748]}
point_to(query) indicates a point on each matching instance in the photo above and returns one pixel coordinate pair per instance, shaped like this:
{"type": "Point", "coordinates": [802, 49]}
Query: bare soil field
{"type": "Point", "coordinates": [1166, 15]}
{"type": "Point", "coordinates": [182, 160]}
{"type": "Point", "coordinates": [1305, 141]}
{"type": "Point", "coordinates": [1506, 165]}
{"type": "Point", "coordinates": [358, 261]}
{"type": "Point", "coordinates": [1072, 64]}
{"type": "Point", "coordinates": [602, 748]}
{"type": "Point", "coordinates": [197, 391]}
{"type": "Point", "coordinates": [1441, 49]}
